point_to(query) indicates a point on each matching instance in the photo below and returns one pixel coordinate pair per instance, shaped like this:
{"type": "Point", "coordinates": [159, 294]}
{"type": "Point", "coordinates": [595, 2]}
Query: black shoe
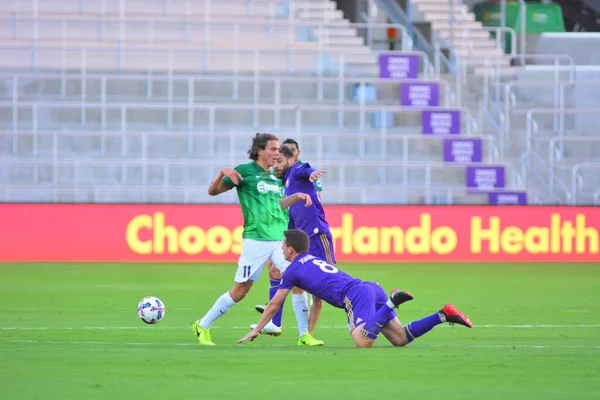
{"type": "Point", "coordinates": [260, 308]}
{"type": "Point", "coordinates": [399, 297]}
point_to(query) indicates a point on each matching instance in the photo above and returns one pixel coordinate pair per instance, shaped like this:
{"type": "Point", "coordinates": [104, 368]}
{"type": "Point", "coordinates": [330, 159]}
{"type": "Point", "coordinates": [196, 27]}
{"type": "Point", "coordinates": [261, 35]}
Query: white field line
{"type": "Point", "coordinates": [490, 346]}
{"type": "Point", "coordinates": [141, 326]}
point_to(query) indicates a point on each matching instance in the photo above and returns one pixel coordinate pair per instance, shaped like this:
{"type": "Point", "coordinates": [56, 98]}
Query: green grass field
{"type": "Point", "coordinates": [71, 331]}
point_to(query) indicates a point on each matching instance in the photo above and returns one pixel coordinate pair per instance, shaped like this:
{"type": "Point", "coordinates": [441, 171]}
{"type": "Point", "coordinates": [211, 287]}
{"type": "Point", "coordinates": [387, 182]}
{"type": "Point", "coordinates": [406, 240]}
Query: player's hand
{"type": "Point", "coordinates": [232, 174]}
{"type": "Point", "coordinates": [304, 197]}
{"type": "Point", "coordinates": [249, 336]}
{"type": "Point", "coordinates": [316, 175]}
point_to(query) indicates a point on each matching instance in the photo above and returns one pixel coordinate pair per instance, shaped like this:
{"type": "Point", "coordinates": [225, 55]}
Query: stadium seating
{"type": "Point", "coordinates": [104, 102]}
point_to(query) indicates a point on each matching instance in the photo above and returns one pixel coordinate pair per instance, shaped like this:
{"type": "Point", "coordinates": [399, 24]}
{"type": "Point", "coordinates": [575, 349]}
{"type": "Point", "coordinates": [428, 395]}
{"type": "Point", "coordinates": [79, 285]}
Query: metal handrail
{"type": "Point", "coordinates": [123, 107]}
{"type": "Point", "coordinates": [347, 194]}
{"type": "Point", "coordinates": [527, 167]}
{"type": "Point", "coordinates": [556, 58]}
{"type": "Point", "coordinates": [77, 57]}
{"type": "Point", "coordinates": [316, 138]}
{"type": "Point", "coordinates": [148, 27]}
{"type": "Point", "coordinates": [523, 30]}
{"type": "Point", "coordinates": [577, 180]}
{"type": "Point", "coordinates": [499, 33]}
{"type": "Point", "coordinates": [558, 97]}
{"type": "Point", "coordinates": [213, 165]}
{"type": "Point", "coordinates": [556, 155]}
{"type": "Point", "coordinates": [190, 81]}
{"type": "Point", "coordinates": [206, 7]}
{"type": "Point", "coordinates": [531, 124]}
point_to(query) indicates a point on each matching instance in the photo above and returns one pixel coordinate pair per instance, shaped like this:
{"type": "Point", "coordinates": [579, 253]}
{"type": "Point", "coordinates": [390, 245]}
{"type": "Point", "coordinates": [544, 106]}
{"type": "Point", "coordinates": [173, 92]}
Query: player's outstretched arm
{"type": "Point", "coordinates": [315, 313]}
{"type": "Point", "coordinates": [316, 174]}
{"type": "Point", "coordinates": [218, 185]}
{"type": "Point", "coordinates": [293, 199]}
{"type": "Point", "coordinates": [271, 309]}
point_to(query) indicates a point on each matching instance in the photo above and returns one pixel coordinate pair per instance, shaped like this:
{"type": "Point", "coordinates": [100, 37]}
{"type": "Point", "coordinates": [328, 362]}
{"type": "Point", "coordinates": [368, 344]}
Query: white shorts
{"type": "Point", "coordinates": [255, 254]}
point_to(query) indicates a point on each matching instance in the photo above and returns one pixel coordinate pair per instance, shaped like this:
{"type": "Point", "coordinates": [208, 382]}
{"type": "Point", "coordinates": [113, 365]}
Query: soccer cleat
{"type": "Point", "coordinates": [453, 316]}
{"type": "Point", "coordinates": [260, 308]}
{"type": "Point", "coordinates": [202, 334]}
{"type": "Point", "coordinates": [398, 297]}
{"type": "Point", "coordinates": [269, 329]}
{"type": "Point", "coordinates": [308, 340]}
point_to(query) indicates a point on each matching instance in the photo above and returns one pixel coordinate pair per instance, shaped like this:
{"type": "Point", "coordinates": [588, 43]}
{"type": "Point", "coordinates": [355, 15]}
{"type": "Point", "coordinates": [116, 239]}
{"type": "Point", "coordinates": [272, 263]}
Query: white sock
{"type": "Point", "coordinates": [300, 302]}
{"type": "Point", "coordinates": [221, 306]}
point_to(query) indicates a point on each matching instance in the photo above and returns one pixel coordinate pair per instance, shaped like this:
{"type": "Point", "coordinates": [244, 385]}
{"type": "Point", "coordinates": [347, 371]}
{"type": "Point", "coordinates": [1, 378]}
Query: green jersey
{"type": "Point", "coordinates": [317, 182]}
{"type": "Point", "coordinates": [259, 194]}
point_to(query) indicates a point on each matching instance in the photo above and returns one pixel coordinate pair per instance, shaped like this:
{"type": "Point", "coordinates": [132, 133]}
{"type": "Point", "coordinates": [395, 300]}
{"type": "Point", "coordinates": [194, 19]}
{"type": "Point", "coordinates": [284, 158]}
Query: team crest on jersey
{"type": "Point", "coordinates": [273, 177]}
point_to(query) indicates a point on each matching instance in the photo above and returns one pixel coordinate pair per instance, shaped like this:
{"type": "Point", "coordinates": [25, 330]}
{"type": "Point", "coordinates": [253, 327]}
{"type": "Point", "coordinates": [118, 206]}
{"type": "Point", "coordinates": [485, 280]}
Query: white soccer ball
{"type": "Point", "coordinates": [151, 310]}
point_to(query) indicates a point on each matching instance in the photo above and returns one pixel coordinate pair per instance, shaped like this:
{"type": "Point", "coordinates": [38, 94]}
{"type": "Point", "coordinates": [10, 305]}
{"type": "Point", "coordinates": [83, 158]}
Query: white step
{"type": "Point", "coordinates": [473, 43]}
{"type": "Point", "coordinates": [320, 14]}
{"type": "Point", "coordinates": [505, 71]}
{"type": "Point", "coordinates": [477, 52]}
{"type": "Point", "coordinates": [335, 31]}
{"type": "Point", "coordinates": [427, 7]}
{"type": "Point", "coordinates": [445, 24]}
{"type": "Point", "coordinates": [458, 32]}
{"type": "Point", "coordinates": [344, 40]}
{"type": "Point", "coordinates": [479, 60]}
{"type": "Point", "coordinates": [445, 16]}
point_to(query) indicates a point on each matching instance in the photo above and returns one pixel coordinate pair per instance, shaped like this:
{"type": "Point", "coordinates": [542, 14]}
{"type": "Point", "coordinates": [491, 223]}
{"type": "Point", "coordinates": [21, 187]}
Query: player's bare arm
{"type": "Point", "coordinates": [316, 175]}
{"type": "Point", "coordinates": [217, 186]}
{"type": "Point", "coordinates": [289, 201]}
{"type": "Point", "coordinates": [315, 313]}
{"type": "Point", "coordinates": [272, 308]}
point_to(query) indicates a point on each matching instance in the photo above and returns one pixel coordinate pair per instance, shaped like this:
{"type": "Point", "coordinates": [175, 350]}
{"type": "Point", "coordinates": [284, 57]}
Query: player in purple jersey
{"type": "Point", "coordinates": [322, 248]}
{"type": "Point", "coordinates": [300, 177]}
{"type": "Point", "coordinates": [367, 306]}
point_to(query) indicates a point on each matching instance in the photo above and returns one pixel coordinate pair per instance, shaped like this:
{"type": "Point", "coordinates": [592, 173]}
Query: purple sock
{"type": "Point", "coordinates": [272, 290]}
{"type": "Point", "coordinates": [374, 325]}
{"type": "Point", "coordinates": [422, 326]}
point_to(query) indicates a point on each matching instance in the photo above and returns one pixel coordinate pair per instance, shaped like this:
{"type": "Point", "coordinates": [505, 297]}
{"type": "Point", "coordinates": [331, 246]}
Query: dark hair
{"type": "Point", "coordinates": [297, 240]}
{"type": "Point", "coordinates": [287, 152]}
{"type": "Point", "coordinates": [259, 142]}
{"type": "Point", "coordinates": [291, 141]}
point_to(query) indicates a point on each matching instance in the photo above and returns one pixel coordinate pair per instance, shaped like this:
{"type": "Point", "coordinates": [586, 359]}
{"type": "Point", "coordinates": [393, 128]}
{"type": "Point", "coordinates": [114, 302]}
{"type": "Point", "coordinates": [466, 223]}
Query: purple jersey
{"type": "Point", "coordinates": [311, 219]}
{"type": "Point", "coordinates": [318, 278]}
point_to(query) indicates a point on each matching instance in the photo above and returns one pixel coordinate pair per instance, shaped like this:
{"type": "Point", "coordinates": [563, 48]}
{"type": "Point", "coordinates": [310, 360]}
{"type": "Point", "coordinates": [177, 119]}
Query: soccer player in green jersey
{"type": "Point", "coordinates": [259, 193]}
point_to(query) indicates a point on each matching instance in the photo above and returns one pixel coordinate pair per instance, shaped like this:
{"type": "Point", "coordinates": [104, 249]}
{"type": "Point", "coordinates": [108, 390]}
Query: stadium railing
{"type": "Point", "coordinates": [122, 57]}
{"type": "Point", "coordinates": [317, 146]}
{"type": "Point", "coordinates": [255, 85]}
{"type": "Point", "coordinates": [578, 182]}
{"type": "Point", "coordinates": [557, 152]}
{"type": "Point", "coordinates": [198, 194]}
{"type": "Point", "coordinates": [150, 31]}
{"type": "Point", "coordinates": [295, 113]}
{"type": "Point", "coordinates": [498, 99]}
{"type": "Point", "coordinates": [288, 9]}
{"type": "Point", "coordinates": [380, 176]}
{"type": "Point", "coordinates": [533, 161]}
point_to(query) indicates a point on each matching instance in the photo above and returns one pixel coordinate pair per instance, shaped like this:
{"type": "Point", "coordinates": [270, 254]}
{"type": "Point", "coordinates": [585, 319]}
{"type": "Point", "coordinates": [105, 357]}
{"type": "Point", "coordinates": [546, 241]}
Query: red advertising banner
{"type": "Point", "coordinates": [197, 233]}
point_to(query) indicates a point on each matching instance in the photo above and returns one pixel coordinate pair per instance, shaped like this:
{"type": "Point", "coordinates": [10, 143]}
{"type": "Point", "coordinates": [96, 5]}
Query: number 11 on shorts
{"type": "Point", "coordinates": [246, 273]}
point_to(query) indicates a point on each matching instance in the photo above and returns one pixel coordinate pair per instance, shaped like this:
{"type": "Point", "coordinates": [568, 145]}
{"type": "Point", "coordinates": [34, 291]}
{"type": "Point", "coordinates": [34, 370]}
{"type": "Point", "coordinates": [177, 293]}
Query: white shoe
{"type": "Point", "coordinates": [270, 329]}
{"type": "Point", "coordinates": [260, 308]}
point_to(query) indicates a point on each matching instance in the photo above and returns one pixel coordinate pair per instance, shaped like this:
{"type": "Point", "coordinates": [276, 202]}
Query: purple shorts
{"type": "Point", "coordinates": [362, 301]}
{"type": "Point", "coordinates": [321, 246]}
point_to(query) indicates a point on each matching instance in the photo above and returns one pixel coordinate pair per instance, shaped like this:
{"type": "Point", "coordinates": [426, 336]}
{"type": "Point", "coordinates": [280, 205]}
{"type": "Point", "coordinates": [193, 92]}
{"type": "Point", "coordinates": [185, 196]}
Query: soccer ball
{"type": "Point", "coordinates": [151, 310]}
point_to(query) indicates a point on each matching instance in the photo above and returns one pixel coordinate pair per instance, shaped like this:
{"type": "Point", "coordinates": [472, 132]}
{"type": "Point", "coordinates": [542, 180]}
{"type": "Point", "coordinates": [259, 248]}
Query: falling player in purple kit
{"type": "Point", "coordinates": [367, 306]}
{"type": "Point", "coordinates": [299, 177]}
